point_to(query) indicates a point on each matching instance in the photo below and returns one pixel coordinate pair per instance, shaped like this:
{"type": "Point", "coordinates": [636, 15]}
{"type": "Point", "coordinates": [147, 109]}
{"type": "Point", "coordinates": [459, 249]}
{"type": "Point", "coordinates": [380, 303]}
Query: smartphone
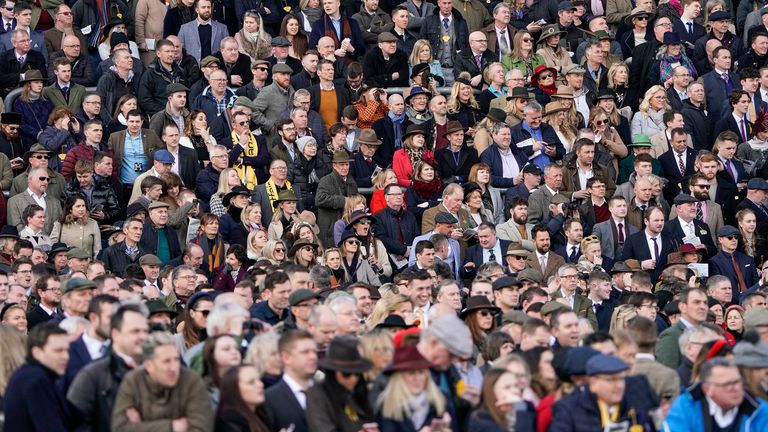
{"type": "Point", "coordinates": [98, 208]}
{"type": "Point", "coordinates": [541, 22]}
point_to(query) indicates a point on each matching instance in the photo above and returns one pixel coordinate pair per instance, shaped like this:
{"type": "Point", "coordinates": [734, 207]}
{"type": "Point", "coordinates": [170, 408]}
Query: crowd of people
{"type": "Point", "coordinates": [384, 216]}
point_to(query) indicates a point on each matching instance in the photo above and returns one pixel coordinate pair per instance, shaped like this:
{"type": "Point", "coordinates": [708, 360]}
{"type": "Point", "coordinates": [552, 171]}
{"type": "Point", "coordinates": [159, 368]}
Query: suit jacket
{"type": "Point", "coordinates": [20, 201]}
{"type": "Point", "coordinates": [713, 217]}
{"type": "Point", "coordinates": [76, 95]}
{"type": "Point", "coordinates": [727, 194]}
{"type": "Point", "coordinates": [37, 316]}
{"type": "Point", "coordinates": [490, 34]}
{"type": "Point", "coordinates": [668, 346]}
{"type": "Point", "coordinates": [721, 264]}
{"type": "Point", "coordinates": [664, 380]}
{"type": "Point", "coordinates": [428, 217]}
{"type": "Point", "coordinates": [10, 69]}
{"type": "Point", "coordinates": [78, 358]}
{"type": "Point", "coordinates": [465, 61]}
{"type": "Point", "coordinates": [637, 247]}
{"type": "Point", "coordinates": [241, 67]}
{"type": "Point", "coordinates": [604, 312]}
{"type": "Point", "coordinates": [454, 263]}
{"type": "Point", "coordinates": [674, 99]}
{"type": "Point", "coordinates": [116, 143]}
{"type": "Point", "coordinates": [728, 123]}
{"type": "Point", "coordinates": [581, 305]}
{"type": "Point", "coordinates": [714, 86]}
{"type": "Point", "coordinates": [38, 43]}
{"type": "Point", "coordinates": [538, 204]}
{"type": "Point", "coordinates": [608, 233]}
{"type": "Point", "coordinates": [565, 250]}
{"type": "Point", "coordinates": [385, 130]}
{"type": "Point", "coordinates": [675, 232]}
{"type": "Point", "coordinates": [449, 169]}
{"type": "Point", "coordinates": [554, 262]}
{"type": "Point", "coordinates": [474, 254]}
{"type": "Point", "coordinates": [508, 231]}
{"type": "Point", "coordinates": [190, 38]}
{"type": "Point", "coordinates": [681, 29]}
{"type": "Point", "coordinates": [284, 409]}
{"type": "Point", "coordinates": [189, 167]}
{"type": "Point", "coordinates": [492, 158]}
{"type": "Point", "coordinates": [671, 166]}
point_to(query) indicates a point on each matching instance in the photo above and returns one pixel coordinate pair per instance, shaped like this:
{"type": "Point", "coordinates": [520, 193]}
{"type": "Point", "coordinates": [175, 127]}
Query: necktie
{"type": "Point", "coordinates": [739, 275]}
{"type": "Point", "coordinates": [503, 45]}
{"type": "Point", "coordinates": [655, 249]}
{"type": "Point", "coordinates": [491, 256]}
{"type": "Point", "coordinates": [681, 164]}
{"type": "Point", "coordinates": [621, 233]}
{"type": "Point", "coordinates": [65, 92]}
{"type": "Point", "coordinates": [368, 160]}
{"type": "Point", "coordinates": [699, 212]}
{"type": "Point", "coordinates": [728, 85]}
{"type": "Point", "coordinates": [690, 28]}
{"type": "Point", "coordinates": [642, 208]}
{"type": "Point", "coordinates": [572, 256]}
{"type": "Point", "coordinates": [743, 129]}
{"type": "Point", "coordinates": [21, 60]}
{"type": "Point", "coordinates": [730, 170]}
{"type": "Point", "coordinates": [543, 263]}
{"type": "Point", "coordinates": [445, 23]}
{"type": "Point", "coordinates": [751, 113]}
{"type": "Point", "coordinates": [479, 61]}
{"type": "Point", "coordinates": [8, 27]}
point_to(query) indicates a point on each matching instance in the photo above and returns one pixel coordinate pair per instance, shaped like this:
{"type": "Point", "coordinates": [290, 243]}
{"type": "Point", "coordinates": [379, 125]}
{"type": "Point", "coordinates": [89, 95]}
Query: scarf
{"type": "Point", "coordinates": [272, 190]}
{"type": "Point", "coordinates": [213, 253]}
{"type": "Point", "coordinates": [657, 117]}
{"type": "Point", "coordinates": [550, 89]}
{"type": "Point", "coordinates": [674, 3]}
{"type": "Point", "coordinates": [397, 122]}
{"type": "Point", "coordinates": [667, 61]}
{"type": "Point", "coordinates": [351, 268]}
{"type": "Point", "coordinates": [246, 173]}
{"type": "Point", "coordinates": [337, 277]}
{"type": "Point", "coordinates": [330, 30]}
{"type": "Point", "coordinates": [757, 145]}
{"type": "Point", "coordinates": [417, 117]}
{"type": "Point", "coordinates": [414, 154]}
{"type": "Point", "coordinates": [427, 190]}
{"type": "Point", "coordinates": [33, 96]}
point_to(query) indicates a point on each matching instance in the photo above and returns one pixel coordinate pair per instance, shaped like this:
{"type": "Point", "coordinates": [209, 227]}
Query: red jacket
{"type": "Point", "coordinates": [81, 151]}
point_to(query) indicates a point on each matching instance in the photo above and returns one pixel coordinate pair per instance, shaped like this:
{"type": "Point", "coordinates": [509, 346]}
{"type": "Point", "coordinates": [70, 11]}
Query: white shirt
{"type": "Point", "coordinates": [650, 244]}
{"type": "Point", "coordinates": [546, 259]}
{"type": "Point", "coordinates": [723, 418]}
{"type": "Point", "coordinates": [570, 298]}
{"type": "Point", "coordinates": [509, 164]}
{"type": "Point", "coordinates": [496, 252]}
{"type": "Point", "coordinates": [93, 346]}
{"type": "Point", "coordinates": [688, 227]}
{"type": "Point", "coordinates": [39, 200]}
{"type": "Point", "coordinates": [298, 392]}
{"type": "Point", "coordinates": [584, 176]}
{"type": "Point", "coordinates": [623, 228]}
{"type": "Point", "coordinates": [500, 36]}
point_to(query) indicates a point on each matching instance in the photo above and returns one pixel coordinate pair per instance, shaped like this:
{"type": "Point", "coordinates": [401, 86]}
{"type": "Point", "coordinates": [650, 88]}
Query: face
{"type": "Point", "coordinates": [16, 318]}
{"type": "Point", "coordinates": [129, 338]}
{"type": "Point", "coordinates": [748, 223]}
{"type": "Point", "coordinates": [727, 149]}
{"type": "Point", "coordinates": [567, 331]}
{"type": "Point", "coordinates": [695, 310]}
{"type": "Point", "coordinates": [279, 298]}
{"type": "Point", "coordinates": [54, 354]}
{"type": "Point", "coordinates": [542, 242]}
{"type": "Point", "coordinates": [725, 387]}
{"type": "Point", "coordinates": [204, 10]}
{"type": "Point", "coordinates": [723, 59]}
{"type": "Point", "coordinates": [23, 43]}
{"type": "Point", "coordinates": [658, 100]}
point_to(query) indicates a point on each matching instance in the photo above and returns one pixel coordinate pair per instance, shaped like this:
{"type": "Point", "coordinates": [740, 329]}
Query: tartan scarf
{"type": "Point", "coordinates": [666, 62]}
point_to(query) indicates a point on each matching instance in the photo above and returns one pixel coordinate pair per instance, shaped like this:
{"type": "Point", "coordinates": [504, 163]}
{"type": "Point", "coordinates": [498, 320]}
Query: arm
{"type": "Point", "coordinates": [7, 173]}
{"type": "Point", "coordinates": [142, 13]}
{"type": "Point", "coordinates": [261, 104]}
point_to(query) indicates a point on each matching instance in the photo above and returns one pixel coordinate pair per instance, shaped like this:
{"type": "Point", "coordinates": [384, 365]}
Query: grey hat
{"type": "Point", "coordinates": [446, 218]}
{"type": "Point", "coordinates": [530, 275]}
{"type": "Point", "coordinates": [514, 317]}
{"type": "Point", "coordinates": [454, 334]}
{"type": "Point", "coordinates": [756, 317]}
{"type": "Point", "coordinates": [243, 101]}
{"type": "Point", "coordinates": [302, 295]}
{"type": "Point", "coordinates": [157, 204]}
{"type": "Point", "coordinates": [552, 306]}
{"type": "Point", "coordinates": [303, 141]}
{"type": "Point", "coordinates": [753, 356]}
{"type": "Point", "coordinates": [728, 230]}
{"type": "Point", "coordinates": [280, 41]}
{"type": "Point", "coordinates": [76, 284]}
{"type": "Point", "coordinates": [386, 37]}
{"type": "Point", "coordinates": [516, 249]}
{"type": "Point", "coordinates": [78, 253]}
{"type": "Point", "coordinates": [282, 68]}
{"type": "Point", "coordinates": [575, 69]}
{"type": "Point", "coordinates": [175, 88]}
{"type": "Point", "coordinates": [605, 364]}
{"type": "Point", "coordinates": [150, 259]}
{"type": "Point", "coordinates": [684, 199]}
{"type": "Point", "coordinates": [209, 60]}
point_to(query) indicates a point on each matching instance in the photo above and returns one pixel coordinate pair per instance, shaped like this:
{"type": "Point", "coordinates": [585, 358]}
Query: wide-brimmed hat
{"type": "Point", "coordinates": [36, 148]}
{"type": "Point", "coordinates": [414, 130]}
{"type": "Point", "coordinates": [554, 108]}
{"type": "Point", "coordinates": [519, 93]}
{"type": "Point", "coordinates": [394, 321]}
{"type": "Point", "coordinates": [407, 358]}
{"type": "Point", "coordinates": [32, 75]}
{"type": "Point", "coordinates": [56, 248]}
{"type": "Point", "coordinates": [368, 137]}
{"type": "Point", "coordinates": [672, 38]}
{"type": "Point", "coordinates": [497, 115]}
{"type": "Point", "coordinates": [237, 190]}
{"type": "Point", "coordinates": [285, 195]}
{"type": "Point", "coordinates": [538, 71]}
{"type": "Point", "coordinates": [453, 126]}
{"type": "Point", "coordinates": [341, 156]}
{"type": "Point", "coordinates": [9, 231]}
{"type": "Point", "coordinates": [548, 31]}
{"type": "Point", "coordinates": [357, 216]}
{"type": "Point", "coordinates": [636, 12]}
{"type": "Point", "coordinates": [343, 355]}
{"type": "Point", "coordinates": [417, 90]}
{"type": "Point", "coordinates": [478, 302]}
{"type": "Point", "coordinates": [563, 92]}
{"type": "Point", "coordinates": [347, 234]}
{"type": "Point", "coordinates": [300, 243]}
{"type": "Point", "coordinates": [112, 23]}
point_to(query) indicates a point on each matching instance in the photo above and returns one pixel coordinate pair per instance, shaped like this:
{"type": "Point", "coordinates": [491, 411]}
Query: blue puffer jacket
{"type": "Point", "coordinates": [686, 413]}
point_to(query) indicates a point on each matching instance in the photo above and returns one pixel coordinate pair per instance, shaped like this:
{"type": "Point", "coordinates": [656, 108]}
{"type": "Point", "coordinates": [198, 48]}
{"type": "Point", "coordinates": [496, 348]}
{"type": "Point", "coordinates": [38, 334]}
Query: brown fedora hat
{"type": "Point", "coordinates": [32, 75]}
{"type": "Point", "coordinates": [563, 92]}
{"type": "Point", "coordinates": [368, 137]}
{"type": "Point", "coordinates": [453, 126]}
{"type": "Point", "coordinates": [343, 355]}
{"type": "Point", "coordinates": [554, 107]}
{"type": "Point", "coordinates": [341, 156]}
{"type": "Point", "coordinates": [414, 130]}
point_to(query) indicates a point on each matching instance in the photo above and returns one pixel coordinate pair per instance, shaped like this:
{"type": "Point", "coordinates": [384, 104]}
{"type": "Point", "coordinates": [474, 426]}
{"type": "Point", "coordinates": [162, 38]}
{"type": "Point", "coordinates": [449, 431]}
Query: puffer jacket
{"type": "Point", "coordinates": [102, 194]}
{"type": "Point", "coordinates": [152, 96]}
{"type": "Point", "coordinates": [59, 141]}
{"type": "Point", "coordinates": [686, 413]}
{"type": "Point", "coordinates": [301, 175]}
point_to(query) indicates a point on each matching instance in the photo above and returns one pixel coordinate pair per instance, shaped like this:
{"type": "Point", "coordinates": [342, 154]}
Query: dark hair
{"type": "Point", "coordinates": [275, 278]}
{"type": "Point", "coordinates": [669, 116]}
{"type": "Point", "coordinates": [232, 401]}
{"type": "Point", "coordinates": [735, 96]}
{"type": "Point", "coordinates": [493, 343]}
{"type": "Point", "coordinates": [30, 211]}
{"type": "Point", "coordinates": [38, 336]}
{"type": "Point", "coordinates": [96, 303]}
{"type": "Point", "coordinates": [290, 337]}
{"type": "Point", "coordinates": [597, 337]}
{"type": "Point", "coordinates": [210, 368]}
{"type": "Point", "coordinates": [423, 244]}
{"type": "Point", "coordinates": [239, 252]}
{"type": "Point", "coordinates": [116, 322]}
{"type": "Point", "coordinates": [539, 228]}
{"type": "Point", "coordinates": [66, 215]}
{"type": "Point", "coordinates": [19, 261]}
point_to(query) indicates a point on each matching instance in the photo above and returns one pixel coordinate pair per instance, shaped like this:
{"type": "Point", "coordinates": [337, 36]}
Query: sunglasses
{"type": "Point", "coordinates": [279, 250]}
{"type": "Point", "coordinates": [44, 179]}
{"type": "Point", "coordinates": [45, 157]}
{"type": "Point", "coordinates": [520, 258]}
{"type": "Point", "coordinates": [349, 375]}
{"type": "Point", "coordinates": [352, 242]}
{"type": "Point", "coordinates": [308, 249]}
{"type": "Point", "coordinates": [364, 222]}
{"type": "Point", "coordinates": [731, 237]}
{"type": "Point", "coordinates": [485, 313]}
{"type": "Point", "coordinates": [642, 18]}
{"type": "Point", "coordinates": [527, 40]}
{"type": "Point", "coordinates": [205, 312]}
{"type": "Point", "coordinates": [545, 76]}
{"type": "Point", "coordinates": [260, 69]}
{"type": "Point", "coordinates": [599, 122]}
{"type": "Point", "coordinates": [703, 186]}
{"type": "Point", "coordinates": [242, 123]}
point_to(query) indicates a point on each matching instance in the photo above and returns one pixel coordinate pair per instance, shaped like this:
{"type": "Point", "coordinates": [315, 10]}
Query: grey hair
{"type": "Point", "coordinates": [220, 148]}
{"type": "Point", "coordinates": [339, 298]}
{"type": "Point", "coordinates": [221, 314]}
{"type": "Point", "coordinates": [319, 313]}
{"type": "Point", "coordinates": [260, 349]}
{"type": "Point", "coordinates": [532, 106]}
{"type": "Point", "coordinates": [226, 40]}
{"type": "Point", "coordinates": [500, 6]}
{"type": "Point", "coordinates": [698, 332]}
{"type": "Point", "coordinates": [301, 93]}
{"type": "Point", "coordinates": [717, 279]}
{"type": "Point", "coordinates": [117, 53]}
{"type": "Point", "coordinates": [181, 268]}
{"type": "Point", "coordinates": [155, 340]}
{"type": "Point", "coordinates": [591, 45]}
{"type": "Point", "coordinates": [563, 268]}
{"type": "Point", "coordinates": [708, 367]}
{"type": "Point", "coordinates": [296, 110]}
{"type": "Point", "coordinates": [321, 276]}
{"type": "Point", "coordinates": [497, 127]}
{"type": "Point", "coordinates": [71, 324]}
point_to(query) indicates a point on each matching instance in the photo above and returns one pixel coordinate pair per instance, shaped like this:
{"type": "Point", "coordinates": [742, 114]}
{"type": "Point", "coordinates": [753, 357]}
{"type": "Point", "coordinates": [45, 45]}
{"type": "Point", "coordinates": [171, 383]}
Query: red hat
{"type": "Point", "coordinates": [407, 358]}
{"type": "Point", "coordinates": [539, 69]}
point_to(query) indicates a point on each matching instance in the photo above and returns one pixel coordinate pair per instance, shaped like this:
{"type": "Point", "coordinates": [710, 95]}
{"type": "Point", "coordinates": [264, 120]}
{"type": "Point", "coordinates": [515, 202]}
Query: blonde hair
{"type": "Point", "coordinates": [252, 252]}
{"type": "Point", "coordinates": [566, 129]}
{"type": "Point", "coordinates": [373, 341]}
{"type": "Point", "coordinates": [384, 308]}
{"type": "Point", "coordinates": [612, 73]}
{"type": "Point", "coordinates": [413, 59]}
{"type": "Point", "coordinates": [645, 104]}
{"type": "Point", "coordinates": [453, 100]}
{"type": "Point", "coordinates": [620, 317]}
{"type": "Point", "coordinates": [13, 346]}
{"type": "Point", "coordinates": [487, 72]}
{"type": "Point", "coordinates": [224, 187]}
{"type": "Point", "coordinates": [381, 177]}
{"type": "Point", "coordinates": [269, 250]}
{"type": "Point", "coordinates": [395, 401]}
{"type": "Point", "coordinates": [350, 203]}
{"type": "Point", "coordinates": [261, 348]}
{"type": "Point", "coordinates": [246, 211]}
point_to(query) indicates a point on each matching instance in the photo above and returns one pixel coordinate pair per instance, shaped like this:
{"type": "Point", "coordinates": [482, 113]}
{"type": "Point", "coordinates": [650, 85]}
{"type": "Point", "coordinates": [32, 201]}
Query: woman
{"type": "Point", "coordinates": [377, 347]}
{"type": "Point", "coordinates": [413, 151]}
{"type": "Point", "coordinates": [332, 259]}
{"type": "Point", "coordinates": [396, 304]}
{"type": "Point", "coordinates": [502, 406]}
{"type": "Point", "coordinates": [573, 118]}
{"type": "Point", "coordinates": [734, 321]}
{"type": "Point", "coordinates": [285, 215]}
{"type": "Point", "coordinates": [479, 317]}
{"type": "Point", "coordinates": [308, 168]}
{"type": "Point", "coordinates": [755, 150]}
{"type": "Point", "coordinates": [338, 139]}
{"type": "Point", "coordinates": [750, 242]}
{"type": "Point", "coordinates": [307, 230]}
{"type": "Point", "coordinates": [543, 376]}
{"type": "Point", "coordinates": [290, 28]}
{"type": "Point", "coordinates": [371, 106]}
{"type": "Point", "coordinates": [649, 119]}
{"type": "Point", "coordinates": [551, 51]}
{"type": "Point", "coordinates": [356, 267]}
{"type": "Point", "coordinates": [383, 179]}
{"type": "Point", "coordinates": [607, 101]}
{"type": "Point", "coordinates": [462, 105]}
{"type": "Point", "coordinates": [522, 56]}
{"type": "Point", "coordinates": [454, 162]}
{"type": "Point", "coordinates": [256, 242]}
{"type": "Point", "coordinates": [115, 25]}
{"type": "Point", "coordinates": [233, 271]}
{"type": "Point", "coordinates": [119, 121]}
{"type": "Point", "coordinates": [352, 204]}
{"type": "Point", "coordinates": [482, 140]}
{"type": "Point", "coordinates": [716, 311]}
{"type": "Point", "coordinates": [713, 6]}
{"type": "Point", "coordinates": [14, 315]}
{"type": "Point", "coordinates": [606, 137]}
{"type": "Point", "coordinates": [76, 228]}
{"type": "Point", "coordinates": [411, 401]}
{"type": "Point", "coordinates": [220, 354]}
{"type": "Point", "coordinates": [303, 253]}
{"type": "Point", "coordinates": [197, 135]}
{"type": "Point", "coordinates": [554, 115]}
{"type": "Point", "coordinates": [592, 257]}
{"type": "Point", "coordinates": [639, 33]}
{"type": "Point", "coordinates": [210, 241]}
{"type": "Point", "coordinates": [13, 348]}
{"type": "Point", "coordinates": [310, 12]}
{"type": "Point", "coordinates": [263, 355]}
{"type": "Point", "coordinates": [371, 247]}
{"type": "Point", "coordinates": [480, 174]}
{"type": "Point", "coordinates": [473, 203]}
{"type": "Point", "coordinates": [241, 408]}
{"type": "Point", "coordinates": [621, 316]}
{"type": "Point", "coordinates": [340, 403]}
{"type": "Point", "coordinates": [498, 344]}
{"type": "Point", "coordinates": [195, 321]}
{"type": "Point", "coordinates": [670, 56]}
{"type": "Point", "coordinates": [425, 191]}
{"type": "Point", "coordinates": [231, 226]}
{"type": "Point", "coordinates": [422, 53]}
{"type": "Point", "coordinates": [60, 136]}
{"type": "Point", "coordinates": [493, 76]}
{"type": "Point", "coordinates": [275, 251]}
{"type": "Point", "coordinates": [618, 81]}
{"type": "Point", "coordinates": [228, 179]}
{"type": "Point", "coordinates": [34, 226]}
{"type": "Point", "coordinates": [252, 40]}
{"type": "Point", "coordinates": [544, 83]}
{"type": "Point", "coordinates": [34, 108]}
{"type": "Point", "coordinates": [251, 218]}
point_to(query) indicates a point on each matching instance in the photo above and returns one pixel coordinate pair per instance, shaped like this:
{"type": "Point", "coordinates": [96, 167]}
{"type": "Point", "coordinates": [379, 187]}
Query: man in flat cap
{"type": "Point", "coordinates": [737, 266]}
{"type": "Point", "coordinates": [175, 109]}
{"type": "Point", "coordinates": [158, 238]}
{"type": "Point", "coordinates": [685, 228]}
{"type": "Point", "coordinates": [273, 99]}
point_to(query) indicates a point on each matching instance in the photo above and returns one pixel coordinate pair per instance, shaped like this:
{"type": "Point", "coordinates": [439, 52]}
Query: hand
{"type": "Point", "coordinates": [692, 281]}
{"type": "Point", "coordinates": [550, 150]}
{"type": "Point", "coordinates": [471, 394]}
{"type": "Point", "coordinates": [205, 134]}
{"type": "Point", "coordinates": [98, 215]}
{"type": "Point", "coordinates": [143, 46]}
{"type": "Point", "coordinates": [471, 132]}
{"type": "Point", "coordinates": [395, 76]}
{"type": "Point", "coordinates": [242, 139]}
{"type": "Point", "coordinates": [556, 209]}
{"type": "Point", "coordinates": [74, 124]}
{"type": "Point", "coordinates": [648, 264]}
{"type": "Point", "coordinates": [236, 80]}
{"type": "Point", "coordinates": [341, 52]}
{"type": "Point", "coordinates": [133, 415]}
{"type": "Point", "coordinates": [476, 80]}
{"type": "Point", "coordinates": [267, 11]}
{"type": "Point", "coordinates": [581, 194]}
{"type": "Point", "coordinates": [517, 180]}
{"type": "Point", "coordinates": [180, 425]}
{"type": "Point", "coordinates": [457, 234]}
{"type": "Point", "coordinates": [347, 46]}
{"type": "Point", "coordinates": [533, 27]}
{"type": "Point", "coordinates": [17, 165]}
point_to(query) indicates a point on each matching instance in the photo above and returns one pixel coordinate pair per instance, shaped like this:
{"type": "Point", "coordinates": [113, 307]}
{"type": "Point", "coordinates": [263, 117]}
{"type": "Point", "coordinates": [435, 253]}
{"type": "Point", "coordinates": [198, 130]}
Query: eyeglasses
{"type": "Point", "coordinates": [204, 312]}
{"type": "Point", "coordinates": [8, 8]}
{"type": "Point", "coordinates": [289, 129]}
{"type": "Point", "coordinates": [664, 25]}
{"type": "Point", "coordinates": [481, 40]}
{"type": "Point", "coordinates": [188, 277]}
{"type": "Point", "coordinates": [279, 250]}
{"type": "Point", "coordinates": [41, 157]}
{"type": "Point", "coordinates": [43, 179]}
{"type": "Point", "coordinates": [395, 194]}
{"type": "Point", "coordinates": [571, 276]}
{"type": "Point", "coordinates": [519, 258]}
{"type": "Point", "coordinates": [728, 384]}
{"type": "Point", "coordinates": [65, 13]}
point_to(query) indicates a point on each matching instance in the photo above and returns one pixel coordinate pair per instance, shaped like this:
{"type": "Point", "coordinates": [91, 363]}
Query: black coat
{"type": "Point", "coordinates": [207, 183]}
{"type": "Point", "coordinates": [642, 60]}
{"type": "Point", "coordinates": [465, 62]}
{"type": "Point", "coordinates": [447, 167]}
{"type": "Point", "coordinates": [431, 28]}
{"type": "Point", "coordinates": [396, 229]}
{"type": "Point", "coordinates": [116, 260]}
{"type": "Point", "coordinates": [698, 126]}
{"type": "Point", "coordinates": [10, 70]}
{"type": "Point", "coordinates": [37, 316]}
{"type": "Point", "coordinates": [153, 83]}
{"type": "Point", "coordinates": [385, 131]}
{"type": "Point", "coordinates": [670, 166]}
{"type": "Point", "coordinates": [284, 409]}
{"type": "Point", "coordinates": [579, 412]}
{"type": "Point", "coordinates": [149, 239]}
{"type": "Point", "coordinates": [33, 401]}
{"type": "Point", "coordinates": [379, 71]}
{"type": "Point", "coordinates": [189, 166]}
{"type": "Point", "coordinates": [94, 390]}
{"type": "Point", "coordinates": [302, 80]}
{"type": "Point", "coordinates": [361, 170]}
{"type": "Point", "coordinates": [241, 67]}
{"type": "Point", "coordinates": [728, 195]}
{"type": "Point", "coordinates": [103, 194]}
{"type": "Point", "coordinates": [301, 176]}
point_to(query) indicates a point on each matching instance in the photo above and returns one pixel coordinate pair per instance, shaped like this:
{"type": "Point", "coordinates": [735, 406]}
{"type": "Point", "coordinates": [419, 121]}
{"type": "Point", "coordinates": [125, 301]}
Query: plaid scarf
{"type": "Point", "coordinates": [667, 61]}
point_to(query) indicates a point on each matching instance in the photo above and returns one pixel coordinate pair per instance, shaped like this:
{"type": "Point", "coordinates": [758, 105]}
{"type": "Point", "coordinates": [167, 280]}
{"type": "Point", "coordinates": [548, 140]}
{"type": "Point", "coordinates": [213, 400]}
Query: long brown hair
{"type": "Point", "coordinates": [232, 400]}
{"type": "Point", "coordinates": [488, 396]}
{"type": "Point", "coordinates": [300, 42]}
{"type": "Point", "coordinates": [478, 334]}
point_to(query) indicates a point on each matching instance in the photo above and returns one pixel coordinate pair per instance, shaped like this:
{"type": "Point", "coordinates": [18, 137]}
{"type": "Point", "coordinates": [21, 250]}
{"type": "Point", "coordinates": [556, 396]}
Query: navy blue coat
{"type": "Point", "coordinates": [671, 168]}
{"type": "Point", "coordinates": [761, 215]}
{"type": "Point", "coordinates": [385, 130]}
{"type": "Point", "coordinates": [207, 183]}
{"type": "Point", "coordinates": [714, 86]}
{"type": "Point", "coordinates": [720, 264]}
{"type": "Point", "coordinates": [78, 358]}
{"type": "Point", "coordinates": [728, 123]}
{"type": "Point", "coordinates": [579, 413]}
{"type": "Point", "coordinates": [636, 247]}
{"type": "Point", "coordinates": [449, 170]}
{"type": "Point", "coordinates": [33, 402]}
{"type": "Point", "coordinates": [548, 135]}
{"type": "Point", "coordinates": [674, 231]}
{"type": "Point", "coordinates": [728, 193]}
{"type": "Point", "coordinates": [492, 158]}
{"type": "Point", "coordinates": [387, 229]}
{"type": "Point", "coordinates": [149, 239]}
{"type": "Point", "coordinates": [474, 254]}
{"type": "Point", "coordinates": [362, 170]}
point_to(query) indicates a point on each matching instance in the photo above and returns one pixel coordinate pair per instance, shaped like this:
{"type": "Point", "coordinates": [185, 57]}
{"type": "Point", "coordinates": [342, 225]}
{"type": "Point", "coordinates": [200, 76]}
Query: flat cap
{"type": "Point", "coordinates": [532, 168]}
{"type": "Point", "coordinates": [175, 88]}
{"type": "Point", "coordinates": [757, 183]}
{"type": "Point", "coordinates": [280, 41]}
{"type": "Point", "coordinates": [150, 259]}
{"type": "Point", "coordinates": [157, 307]}
{"type": "Point", "coordinates": [752, 356]}
{"type": "Point", "coordinates": [282, 68]}
{"type": "Point", "coordinates": [516, 249]}
{"type": "Point", "coordinates": [506, 282]}
{"type": "Point", "coordinates": [302, 295]}
{"type": "Point", "coordinates": [605, 364]}
{"type": "Point", "coordinates": [530, 275]}
{"type": "Point", "coordinates": [565, 5]}
{"type": "Point", "coordinates": [575, 69]}
{"type": "Point", "coordinates": [76, 284]}
{"type": "Point", "coordinates": [552, 306]}
{"type": "Point", "coordinates": [755, 317]}
{"type": "Point", "coordinates": [446, 218]}
{"type": "Point", "coordinates": [157, 204]}
{"type": "Point", "coordinates": [684, 199]}
{"type": "Point", "coordinates": [386, 37]}
{"type": "Point", "coordinates": [728, 230]}
{"type": "Point", "coordinates": [454, 334]}
{"type": "Point", "coordinates": [719, 16]}
{"type": "Point", "coordinates": [259, 62]}
{"type": "Point", "coordinates": [513, 317]}
{"type": "Point", "coordinates": [163, 156]}
{"type": "Point", "coordinates": [209, 60]}
{"type": "Point", "coordinates": [620, 267]}
{"type": "Point", "coordinates": [78, 253]}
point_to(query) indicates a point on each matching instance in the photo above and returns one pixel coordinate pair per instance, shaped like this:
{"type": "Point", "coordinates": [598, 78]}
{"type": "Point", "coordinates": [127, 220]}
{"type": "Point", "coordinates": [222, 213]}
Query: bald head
{"type": "Point", "coordinates": [325, 46]}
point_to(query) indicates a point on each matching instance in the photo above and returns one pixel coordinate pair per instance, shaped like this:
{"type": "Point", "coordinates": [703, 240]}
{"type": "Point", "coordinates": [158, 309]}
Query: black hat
{"type": "Point", "coordinates": [478, 302]}
{"type": "Point", "coordinates": [497, 115]}
{"type": "Point", "coordinates": [237, 190]}
{"type": "Point", "coordinates": [134, 208]}
{"type": "Point", "coordinates": [117, 39]}
{"type": "Point", "coordinates": [470, 187]}
{"type": "Point", "coordinates": [728, 230]}
{"type": "Point", "coordinates": [394, 321]}
{"type": "Point", "coordinates": [343, 355]}
{"type": "Point", "coordinates": [506, 282]}
{"type": "Point", "coordinates": [112, 23]}
{"type": "Point", "coordinates": [7, 118]}
{"type": "Point", "coordinates": [419, 68]}
{"type": "Point", "coordinates": [606, 94]}
{"type": "Point", "coordinates": [9, 231]}
{"type": "Point", "coordinates": [446, 218]}
{"type": "Point", "coordinates": [414, 130]}
{"type": "Point", "coordinates": [357, 216]}
{"type": "Point", "coordinates": [685, 199]}
{"type": "Point", "coordinates": [672, 38]}
{"type": "Point", "coordinates": [417, 90]}
{"type": "Point", "coordinates": [531, 168]}
{"type": "Point", "coordinates": [346, 235]}
{"type": "Point", "coordinates": [56, 248]}
{"type": "Point", "coordinates": [519, 93]}
{"type": "Point", "coordinates": [298, 244]}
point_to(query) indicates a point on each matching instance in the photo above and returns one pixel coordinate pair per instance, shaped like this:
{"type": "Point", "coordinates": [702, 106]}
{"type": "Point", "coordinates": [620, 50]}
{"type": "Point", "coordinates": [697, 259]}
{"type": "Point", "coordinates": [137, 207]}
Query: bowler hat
{"type": "Point", "coordinates": [9, 231]}
{"type": "Point", "coordinates": [497, 115]}
{"type": "Point", "coordinates": [10, 118]}
{"type": "Point", "coordinates": [343, 355]}
{"type": "Point", "coordinates": [519, 93]}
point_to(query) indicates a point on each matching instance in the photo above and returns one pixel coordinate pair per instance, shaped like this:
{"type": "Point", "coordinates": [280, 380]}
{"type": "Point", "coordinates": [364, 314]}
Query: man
{"type": "Point", "coordinates": [260, 72]}
{"type": "Point", "coordinates": [17, 60]}
{"type": "Point", "coordinates": [184, 165]}
{"type": "Point", "coordinates": [719, 83]}
{"type": "Point", "coordinates": [37, 185]}
{"type": "Point", "coordinates": [214, 101]}
{"type": "Point", "coordinates": [504, 160]}
{"type": "Point", "coordinates": [595, 78]}
{"type": "Point", "coordinates": [719, 288]}
{"type": "Point", "coordinates": [33, 386]}
{"type": "Point", "coordinates": [564, 327]}
{"type": "Point", "coordinates": [8, 20]}
{"type": "Point", "coordinates": [506, 292]}
{"type": "Point", "coordinates": [10, 141]}
{"type": "Point", "coordinates": [581, 169]}
{"type": "Point", "coordinates": [650, 246]}
{"type": "Point", "coordinates": [424, 252]}
{"type": "Point", "coordinates": [208, 178]}
{"type": "Point", "coordinates": [331, 192]}
{"type": "Point", "coordinates": [543, 260]}
{"type": "Point", "coordinates": [448, 34]}
{"type": "Point", "coordinates": [187, 406]}
{"type": "Point", "coordinates": [697, 124]}
{"type": "Point", "coordinates": [399, 28]}
{"type": "Point", "coordinates": [62, 27]}
{"type": "Point", "coordinates": [307, 75]}
{"type": "Point", "coordinates": [280, 49]}
{"type": "Point", "coordinates": [661, 141]}
{"type": "Point", "coordinates": [396, 226]}
{"type": "Point", "coordinates": [677, 92]}
{"type": "Point", "coordinates": [731, 180]}
{"type": "Point", "coordinates": [678, 162]}
{"type": "Point", "coordinates": [488, 249]}
{"type": "Point", "coordinates": [515, 258]}
{"type": "Point", "coordinates": [236, 64]}
{"type": "Point", "coordinates": [574, 233]}
{"type": "Point", "coordinates": [500, 33]}
{"type": "Point", "coordinates": [719, 23]}
{"type": "Point", "coordinates": [531, 178]}
{"type": "Point", "coordinates": [267, 193]}
{"type": "Point", "coordinates": [326, 93]}
{"type": "Point", "coordinates": [275, 308]}
{"type": "Point", "coordinates": [390, 130]}
{"type": "Point", "coordinates": [615, 231]}
{"type": "Point", "coordinates": [644, 55]}
{"type": "Point", "coordinates": [158, 238]}
{"type": "Point", "coordinates": [693, 311]}
{"type": "Point", "coordinates": [159, 75]}
{"type": "Point", "coordinates": [444, 225]}
{"type": "Point", "coordinates": [118, 256]}
{"type": "Point", "coordinates": [162, 161]}
{"type": "Point", "coordinates": [201, 36]}
{"type": "Point", "coordinates": [273, 99]}
{"type": "Point", "coordinates": [600, 295]}
{"type": "Point", "coordinates": [738, 120]}
{"type": "Point", "coordinates": [568, 281]}
{"type": "Point", "coordinates": [63, 92]}
{"type": "Point", "coordinates": [386, 66]}
{"type": "Point", "coordinates": [22, 11]}
{"type": "Point", "coordinates": [345, 32]}
{"type": "Point", "coordinates": [362, 294]}
{"type": "Point", "coordinates": [540, 200]}
{"type": "Point", "coordinates": [474, 59]}
{"type": "Point", "coordinates": [119, 80]}
{"type": "Point", "coordinates": [48, 289]}
{"type": "Point", "coordinates": [687, 27]}
{"type": "Point", "coordinates": [372, 21]}
{"type": "Point", "coordinates": [286, 401]}
{"type": "Point", "coordinates": [756, 195]}
{"type": "Point", "coordinates": [248, 154]}
{"type": "Point", "coordinates": [95, 388]}
{"type": "Point", "coordinates": [364, 167]}
{"type": "Point", "coordinates": [516, 228]}
{"type": "Point", "coordinates": [737, 266]}
{"type": "Point", "coordinates": [643, 194]}
{"type": "Point", "coordinates": [686, 228]}
{"type": "Point", "coordinates": [453, 197]}
{"type": "Point", "coordinates": [131, 148]}
{"type": "Point", "coordinates": [322, 325]}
